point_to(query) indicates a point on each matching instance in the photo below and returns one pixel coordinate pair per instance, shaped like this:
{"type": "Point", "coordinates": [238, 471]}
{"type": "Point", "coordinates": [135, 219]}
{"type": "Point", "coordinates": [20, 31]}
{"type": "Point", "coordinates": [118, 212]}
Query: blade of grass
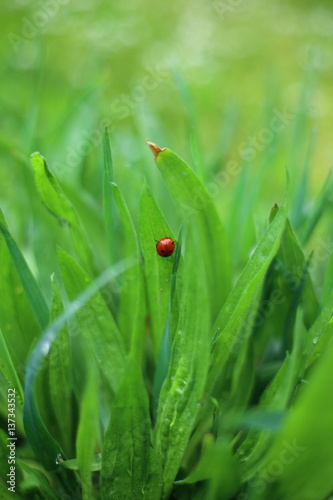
{"type": "Point", "coordinates": [289, 325]}
{"type": "Point", "coordinates": [246, 194]}
{"type": "Point", "coordinates": [163, 359]}
{"type": "Point", "coordinates": [317, 211]}
{"type": "Point", "coordinates": [88, 432]}
{"type": "Point", "coordinates": [183, 388]}
{"type": "Point", "coordinates": [132, 291]}
{"type": "Point", "coordinates": [72, 464]}
{"type": "Point", "coordinates": [8, 368]}
{"type": "Point", "coordinates": [45, 447]}
{"type": "Point", "coordinates": [39, 479]}
{"type": "Point", "coordinates": [306, 442]}
{"type": "Point", "coordinates": [31, 288]}
{"type": "Point", "coordinates": [108, 204]}
{"type": "Point", "coordinates": [96, 323]}
{"type": "Point", "coordinates": [328, 280]}
{"type": "Point", "coordinates": [299, 200]}
{"type": "Point", "coordinates": [157, 270]}
{"type": "Point", "coordinates": [276, 397]}
{"type": "Point", "coordinates": [126, 447]}
{"type": "Point", "coordinates": [60, 373]}
{"type": "Point", "coordinates": [234, 312]}
{"type": "Point", "coordinates": [58, 205]}
{"type": "Point", "coordinates": [291, 254]}
{"type": "Point", "coordinates": [197, 207]}
{"type": "Point", "coordinates": [191, 122]}
{"type": "Point", "coordinates": [218, 465]}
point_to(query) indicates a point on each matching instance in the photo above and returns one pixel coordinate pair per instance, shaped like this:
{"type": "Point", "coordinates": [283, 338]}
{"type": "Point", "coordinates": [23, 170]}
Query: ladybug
{"type": "Point", "coordinates": [165, 247]}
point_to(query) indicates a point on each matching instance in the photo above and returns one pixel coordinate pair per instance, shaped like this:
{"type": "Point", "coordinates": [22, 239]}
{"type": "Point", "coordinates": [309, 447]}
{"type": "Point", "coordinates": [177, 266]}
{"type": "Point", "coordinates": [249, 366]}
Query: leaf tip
{"type": "Point", "coordinates": [155, 149]}
{"type": "Point", "coordinates": [273, 212]}
{"type": "Point", "coordinates": [36, 153]}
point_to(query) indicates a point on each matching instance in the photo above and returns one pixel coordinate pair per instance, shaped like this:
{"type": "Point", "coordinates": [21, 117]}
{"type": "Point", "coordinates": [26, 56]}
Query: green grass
{"type": "Point", "coordinates": [204, 375]}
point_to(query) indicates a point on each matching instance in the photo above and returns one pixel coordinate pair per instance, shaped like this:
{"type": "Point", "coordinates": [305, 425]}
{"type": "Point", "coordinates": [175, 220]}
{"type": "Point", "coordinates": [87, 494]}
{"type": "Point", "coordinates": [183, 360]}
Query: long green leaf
{"type": "Point", "coordinates": [197, 206]}
{"type": "Point", "coordinates": [276, 397]}
{"type": "Point", "coordinates": [88, 432]}
{"type": "Point", "coordinates": [157, 270]}
{"type": "Point", "coordinates": [183, 388]}
{"type": "Point", "coordinates": [302, 452]}
{"type": "Point", "coordinates": [317, 210]}
{"type": "Point", "coordinates": [60, 373]}
{"type": "Point", "coordinates": [126, 448]}
{"type": "Point", "coordinates": [132, 297]}
{"type": "Point", "coordinates": [31, 288]}
{"type": "Point", "coordinates": [229, 323]}
{"type": "Point", "coordinates": [164, 354]}
{"type": "Point", "coordinates": [45, 447]}
{"type": "Point", "coordinates": [8, 368]}
{"type": "Point", "coordinates": [292, 256]}
{"type": "Point", "coordinates": [95, 321]}
{"type": "Point", "coordinates": [40, 480]}
{"type": "Point", "coordinates": [108, 204]}
{"type": "Point", "coordinates": [58, 205]}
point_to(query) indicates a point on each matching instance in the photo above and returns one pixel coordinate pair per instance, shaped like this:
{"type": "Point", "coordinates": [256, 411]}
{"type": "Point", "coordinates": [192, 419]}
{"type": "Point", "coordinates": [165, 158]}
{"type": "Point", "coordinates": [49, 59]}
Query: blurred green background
{"type": "Point", "coordinates": [202, 78]}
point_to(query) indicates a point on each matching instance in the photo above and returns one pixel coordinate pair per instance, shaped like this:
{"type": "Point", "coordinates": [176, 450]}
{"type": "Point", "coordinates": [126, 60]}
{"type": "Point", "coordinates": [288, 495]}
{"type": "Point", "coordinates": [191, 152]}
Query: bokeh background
{"type": "Point", "coordinates": [203, 78]}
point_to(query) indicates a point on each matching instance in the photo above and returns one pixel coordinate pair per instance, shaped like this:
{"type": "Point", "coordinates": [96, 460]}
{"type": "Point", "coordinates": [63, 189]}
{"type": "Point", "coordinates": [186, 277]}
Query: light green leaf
{"type": "Point", "coordinates": [299, 464]}
{"type": "Point", "coordinates": [157, 269]}
{"type": "Point", "coordinates": [31, 288]}
{"type": "Point", "coordinates": [45, 447]}
{"type": "Point", "coordinates": [197, 207]}
{"type": "Point", "coordinates": [183, 388]}
{"type": "Point", "coordinates": [292, 257]}
{"type": "Point", "coordinates": [317, 210]}
{"type": "Point", "coordinates": [108, 203]}
{"type": "Point", "coordinates": [88, 432]}
{"type": "Point", "coordinates": [72, 464]}
{"type": "Point", "coordinates": [56, 202]}
{"type": "Point", "coordinates": [164, 354]}
{"type": "Point", "coordinates": [132, 296]}
{"type": "Point", "coordinates": [229, 324]}
{"type": "Point", "coordinates": [95, 322]}
{"type": "Point", "coordinates": [8, 368]}
{"type": "Point", "coordinates": [41, 481]}
{"type": "Point", "coordinates": [60, 372]}
{"type": "Point", "coordinates": [126, 448]}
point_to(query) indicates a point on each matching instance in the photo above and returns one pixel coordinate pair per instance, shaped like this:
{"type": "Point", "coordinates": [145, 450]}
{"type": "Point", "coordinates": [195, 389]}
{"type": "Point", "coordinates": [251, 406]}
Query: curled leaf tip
{"type": "Point", "coordinates": [154, 148]}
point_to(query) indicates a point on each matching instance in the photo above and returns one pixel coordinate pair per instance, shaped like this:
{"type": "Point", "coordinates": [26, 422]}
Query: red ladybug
{"type": "Point", "coordinates": [165, 247]}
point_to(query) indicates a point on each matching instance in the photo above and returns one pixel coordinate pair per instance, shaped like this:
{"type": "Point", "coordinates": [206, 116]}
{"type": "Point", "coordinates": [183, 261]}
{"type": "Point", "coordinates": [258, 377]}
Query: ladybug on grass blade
{"type": "Point", "coordinates": [165, 247]}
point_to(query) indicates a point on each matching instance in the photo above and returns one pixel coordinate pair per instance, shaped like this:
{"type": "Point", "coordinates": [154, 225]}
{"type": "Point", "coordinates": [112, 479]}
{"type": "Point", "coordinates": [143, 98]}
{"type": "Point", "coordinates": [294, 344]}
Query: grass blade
{"type": "Point", "coordinates": [126, 447]}
{"type": "Point", "coordinates": [132, 296]}
{"type": "Point", "coordinates": [87, 433]}
{"type": "Point", "coordinates": [58, 205]}
{"type": "Point", "coordinates": [96, 323]}
{"type": "Point", "coordinates": [31, 288]}
{"type": "Point", "coordinates": [156, 269]}
{"type": "Point", "coordinates": [60, 373]}
{"type": "Point", "coordinates": [108, 204]}
{"type": "Point", "coordinates": [234, 313]}
{"type": "Point", "coordinates": [8, 368]}
{"type": "Point", "coordinates": [164, 354]}
{"type": "Point", "coordinates": [307, 444]}
{"type": "Point", "coordinates": [44, 446]}
{"type": "Point", "coordinates": [196, 206]}
{"type": "Point", "coordinates": [183, 388]}
{"type": "Point", "coordinates": [317, 210]}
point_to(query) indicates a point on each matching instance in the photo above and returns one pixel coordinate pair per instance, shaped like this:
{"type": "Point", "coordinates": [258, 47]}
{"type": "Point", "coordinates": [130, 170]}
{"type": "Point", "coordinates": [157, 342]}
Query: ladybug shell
{"type": "Point", "coordinates": [165, 247]}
